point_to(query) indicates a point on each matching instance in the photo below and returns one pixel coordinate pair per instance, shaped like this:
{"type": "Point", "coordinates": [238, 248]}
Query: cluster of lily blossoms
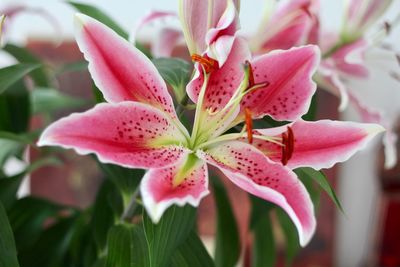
{"type": "Point", "coordinates": [139, 128]}
{"type": "Point", "coordinates": [346, 55]}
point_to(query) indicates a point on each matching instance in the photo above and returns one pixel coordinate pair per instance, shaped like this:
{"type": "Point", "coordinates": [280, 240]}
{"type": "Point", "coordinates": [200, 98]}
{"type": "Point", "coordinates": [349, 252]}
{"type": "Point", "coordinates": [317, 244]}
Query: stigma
{"type": "Point", "coordinates": [206, 62]}
{"type": "Point", "coordinates": [249, 125]}
{"type": "Point", "coordinates": [288, 145]}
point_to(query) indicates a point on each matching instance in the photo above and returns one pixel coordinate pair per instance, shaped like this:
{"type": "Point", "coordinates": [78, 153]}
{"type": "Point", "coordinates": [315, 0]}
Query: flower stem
{"type": "Point", "coordinates": [129, 211]}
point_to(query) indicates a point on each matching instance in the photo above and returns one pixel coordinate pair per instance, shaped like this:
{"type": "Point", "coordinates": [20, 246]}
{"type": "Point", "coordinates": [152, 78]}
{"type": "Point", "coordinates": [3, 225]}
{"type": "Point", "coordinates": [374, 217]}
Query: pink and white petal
{"type": "Point", "coordinates": [293, 33]}
{"type": "Point", "coordinates": [321, 144]}
{"type": "Point", "coordinates": [350, 59]}
{"type": "Point", "coordinates": [221, 48]}
{"type": "Point", "coordinates": [152, 16]}
{"type": "Point", "coordinates": [249, 169]}
{"type": "Point", "coordinates": [360, 14]}
{"type": "Point", "coordinates": [329, 80]}
{"type": "Point", "coordinates": [166, 41]}
{"type": "Point", "coordinates": [227, 23]}
{"type": "Point", "coordinates": [159, 192]}
{"type": "Point", "coordinates": [130, 134]}
{"type": "Point", "coordinates": [194, 19]}
{"type": "Point", "coordinates": [289, 85]}
{"type": "Point", "coordinates": [367, 114]}
{"type": "Point", "coordinates": [293, 23]}
{"type": "Point", "coordinates": [222, 83]}
{"type": "Point", "coordinates": [120, 71]}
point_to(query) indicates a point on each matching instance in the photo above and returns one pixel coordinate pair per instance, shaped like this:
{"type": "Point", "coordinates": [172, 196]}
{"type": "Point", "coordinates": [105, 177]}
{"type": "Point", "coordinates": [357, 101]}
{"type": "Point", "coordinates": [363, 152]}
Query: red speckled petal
{"type": "Point", "coordinates": [223, 82]}
{"type": "Point", "coordinates": [320, 144]}
{"type": "Point", "coordinates": [130, 134]}
{"type": "Point", "coordinates": [159, 193]}
{"type": "Point", "coordinates": [120, 71]}
{"type": "Point", "coordinates": [249, 169]}
{"type": "Point", "coordinates": [289, 89]}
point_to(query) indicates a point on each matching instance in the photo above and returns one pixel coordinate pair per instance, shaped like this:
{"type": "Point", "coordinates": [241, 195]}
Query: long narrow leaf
{"type": "Point", "coordinates": [8, 252]}
{"type": "Point", "coordinates": [227, 249]}
{"type": "Point", "coordinates": [11, 74]}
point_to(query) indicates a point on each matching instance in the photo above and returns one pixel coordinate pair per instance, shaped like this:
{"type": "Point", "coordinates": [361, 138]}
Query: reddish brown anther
{"type": "Point", "coordinates": [208, 63]}
{"type": "Point", "coordinates": [288, 145]}
{"type": "Point", "coordinates": [249, 125]}
{"type": "Point", "coordinates": [251, 74]}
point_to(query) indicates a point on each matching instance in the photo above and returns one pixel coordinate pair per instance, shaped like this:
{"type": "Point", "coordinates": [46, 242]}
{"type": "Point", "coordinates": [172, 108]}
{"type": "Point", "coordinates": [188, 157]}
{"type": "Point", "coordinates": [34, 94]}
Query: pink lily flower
{"type": "Point", "coordinates": [138, 127]}
{"type": "Point", "coordinates": [291, 23]}
{"type": "Point", "coordinates": [209, 26]}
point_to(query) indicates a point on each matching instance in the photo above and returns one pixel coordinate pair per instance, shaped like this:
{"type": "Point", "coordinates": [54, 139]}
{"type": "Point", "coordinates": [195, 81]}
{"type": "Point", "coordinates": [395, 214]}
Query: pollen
{"type": "Point", "coordinates": [288, 145]}
{"type": "Point", "coordinates": [251, 74]}
{"type": "Point", "coordinates": [249, 125]}
{"type": "Point", "coordinates": [208, 63]}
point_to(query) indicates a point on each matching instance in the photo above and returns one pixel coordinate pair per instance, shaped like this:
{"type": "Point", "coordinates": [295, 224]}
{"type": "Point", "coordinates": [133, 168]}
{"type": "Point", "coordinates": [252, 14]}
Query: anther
{"type": "Point", "coordinates": [288, 145]}
{"type": "Point", "coordinates": [208, 63]}
{"type": "Point", "coordinates": [249, 125]}
{"type": "Point", "coordinates": [251, 74]}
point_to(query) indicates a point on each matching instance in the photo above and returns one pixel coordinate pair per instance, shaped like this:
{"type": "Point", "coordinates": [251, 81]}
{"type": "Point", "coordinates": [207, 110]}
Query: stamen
{"type": "Point", "coordinates": [288, 145]}
{"type": "Point", "coordinates": [251, 75]}
{"type": "Point", "coordinates": [249, 125]}
{"type": "Point", "coordinates": [208, 63]}
{"type": "Point", "coordinates": [284, 158]}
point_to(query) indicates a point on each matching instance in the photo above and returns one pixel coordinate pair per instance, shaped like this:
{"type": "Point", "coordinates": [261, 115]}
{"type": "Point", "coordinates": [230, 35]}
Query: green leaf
{"type": "Point", "coordinates": [176, 72]}
{"type": "Point", "coordinates": [15, 108]}
{"type": "Point", "coordinates": [101, 16]}
{"type": "Point", "coordinates": [9, 185]}
{"type": "Point", "coordinates": [46, 100]}
{"type": "Point", "coordinates": [263, 249]}
{"type": "Point", "coordinates": [312, 111]}
{"type": "Point", "coordinates": [291, 236]}
{"type": "Point", "coordinates": [23, 55]}
{"type": "Point", "coordinates": [72, 67]}
{"type": "Point", "coordinates": [52, 247]}
{"type": "Point", "coordinates": [9, 148]}
{"type": "Point", "coordinates": [227, 249]}
{"type": "Point", "coordinates": [192, 253]}
{"type": "Point", "coordinates": [127, 247]}
{"type": "Point", "coordinates": [27, 217]}
{"type": "Point", "coordinates": [312, 188]}
{"type": "Point", "coordinates": [104, 215]}
{"type": "Point", "coordinates": [8, 252]}
{"type": "Point", "coordinates": [170, 232]}
{"type": "Point", "coordinates": [322, 181]}
{"type": "Point", "coordinates": [11, 74]}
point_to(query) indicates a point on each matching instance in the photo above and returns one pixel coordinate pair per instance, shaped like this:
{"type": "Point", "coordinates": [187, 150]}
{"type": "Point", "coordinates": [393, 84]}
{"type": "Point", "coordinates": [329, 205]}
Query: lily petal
{"type": "Point", "coordinates": [159, 190]}
{"type": "Point", "coordinates": [221, 86]}
{"type": "Point", "coordinates": [249, 169]}
{"type": "Point", "coordinates": [289, 85]}
{"type": "Point", "coordinates": [320, 144]}
{"type": "Point", "coordinates": [120, 71]}
{"type": "Point", "coordinates": [130, 134]}
{"type": "Point", "coordinates": [350, 59]}
{"type": "Point", "coordinates": [293, 23]}
{"type": "Point", "coordinates": [361, 14]}
{"type": "Point", "coordinates": [198, 17]}
{"type": "Point", "coordinates": [224, 81]}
